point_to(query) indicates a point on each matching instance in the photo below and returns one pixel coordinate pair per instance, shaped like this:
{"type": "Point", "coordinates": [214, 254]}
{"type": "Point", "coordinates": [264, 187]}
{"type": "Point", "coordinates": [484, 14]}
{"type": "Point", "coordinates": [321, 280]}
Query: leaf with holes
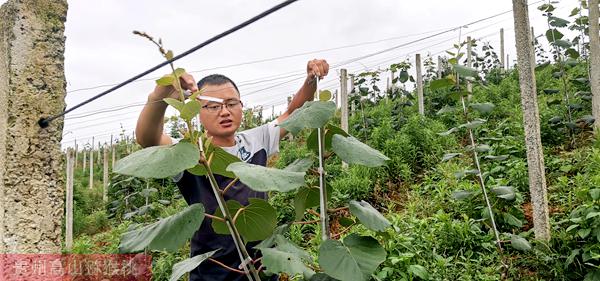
{"type": "Point", "coordinates": [286, 257]}
{"type": "Point", "coordinates": [313, 114]}
{"type": "Point", "coordinates": [159, 161]}
{"type": "Point", "coordinates": [352, 151]}
{"type": "Point", "coordinates": [265, 179]}
{"type": "Point", "coordinates": [254, 222]}
{"type": "Point", "coordinates": [187, 265]}
{"type": "Point", "coordinates": [354, 259]}
{"type": "Point", "coordinates": [167, 234]}
{"type": "Point", "coordinates": [369, 216]}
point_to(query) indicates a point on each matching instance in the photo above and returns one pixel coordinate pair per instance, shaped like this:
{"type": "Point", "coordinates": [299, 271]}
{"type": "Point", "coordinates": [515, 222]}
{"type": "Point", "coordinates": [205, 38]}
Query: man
{"type": "Point", "coordinates": [221, 121]}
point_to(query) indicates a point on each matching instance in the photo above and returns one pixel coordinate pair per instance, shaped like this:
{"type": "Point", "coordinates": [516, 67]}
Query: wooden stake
{"type": "Point", "coordinates": [469, 64]}
{"type": "Point", "coordinates": [420, 85]}
{"type": "Point", "coordinates": [105, 176]}
{"type": "Point", "coordinates": [595, 61]}
{"type": "Point", "coordinates": [344, 102]}
{"type": "Point", "coordinates": [91, 167]}
{"type": "Point", "coordinates": [69, 202]}
{"type": "Point", "coordinates": [503, 65]}
{"type": "Point", "coordinates": [439, 68]}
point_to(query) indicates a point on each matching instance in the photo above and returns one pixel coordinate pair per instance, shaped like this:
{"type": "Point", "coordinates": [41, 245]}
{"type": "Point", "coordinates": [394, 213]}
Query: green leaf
{"type": "Point", "coordinates": [483, 108]}
{"type": "Point", "coordinates": [369, 216]}
{"type": "Point", "coordinates": [446, 109]}
{"type": "Point", "coordinates": [322, 277]}
{"type": "Point", "coordinates": [307, 197]}
{"type": "Point", "coordinates": [190, 110]}
{"type": "Point", "coordinates": [465, 71]}
{"type": "Point", "coordinates": [325, 95]}
{"type": "Point", "coordinates": [146, 192]}
{"type": "Point", "coordinates": [520, 243]}
{"type": "Point", "coordinates": [255, 222]}
{"type": "Point", "coordinates": [221, 159]}
{"type": "Point", "coordinates": [313, 114]}
{"type": "Point", "coordinates": [461, 194]}
{"type": "Point", "coordinates": [449, 156]}
{"type": "Point", "coordinates": [159, 161]}
{"type": "Point", "coordinates": [418, 271]}
{"type": "Point", "coordinates": [558, 22]}
{"type": "Point", "coordinates": [591, 215]}
{"type": "Point", "coordinates": [440, 84]}
{"type": "Point", "coordinates": [312, 142]}
{"type": "Point", "coordinates": [265, 179]}
{"type": "Point", "coordinates": [286, 258]}
{"type": "Point", "coordinates": [504, 192]}
{"type": "Point", "coordinates": [584, 232]}
{"type": "Point", "coordinates": [352, 151]}
{"type": "Point", "coordinates": [553, 34]}
{"type": "Point", "coordinates": [174, 103]}
{"type": "Point", "coordinates": [512, 220]}
{"type": "Point", "coordinates": [571, 227]}
{"type": "Point", "coordinates": [473, 124]}
{"type": "Point", "coordinates": [563, 43]}
{"type": "Point", "coordinates": [169, 55]}
{"type": "Point", "coordinates": [187, 265]}
{"type": "Point", "coordinates": [299, 165]}
{"type": "Point", "coordinates": [595, 193]}
{"type": "Point", "coordinates": [166, 80]}
{"type": "Point", "coordinates": [496, 158]}
{"type": "Point", "coordinates": [446, 133]}
{"type": "Point", "coordinates": [179, 71]}
{"type": "Point", "coordinates": [270, 241]}
{"type": "Point", "coordinates": [167, 234]}
{"type": "Point", "coordinates": [403, 76]}
{"type": "Point", "coordinates": [354, 259]}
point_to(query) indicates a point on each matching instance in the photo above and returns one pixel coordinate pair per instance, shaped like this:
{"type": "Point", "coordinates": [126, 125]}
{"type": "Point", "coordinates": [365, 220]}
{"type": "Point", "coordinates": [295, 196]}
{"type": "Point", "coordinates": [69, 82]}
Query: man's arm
{"type": "Point", "coordinates": [314, 68]}
{"type": "Point", "coordinates": [149, 128]}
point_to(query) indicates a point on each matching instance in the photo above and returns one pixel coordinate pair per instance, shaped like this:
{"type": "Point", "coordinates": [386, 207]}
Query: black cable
{"type": "Point", "coordinates": [44, 122]}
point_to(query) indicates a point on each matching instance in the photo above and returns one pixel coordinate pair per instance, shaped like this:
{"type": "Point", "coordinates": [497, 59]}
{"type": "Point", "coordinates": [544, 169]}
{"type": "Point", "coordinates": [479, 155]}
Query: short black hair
{"type": "Point", "coordinates": [216, 79]}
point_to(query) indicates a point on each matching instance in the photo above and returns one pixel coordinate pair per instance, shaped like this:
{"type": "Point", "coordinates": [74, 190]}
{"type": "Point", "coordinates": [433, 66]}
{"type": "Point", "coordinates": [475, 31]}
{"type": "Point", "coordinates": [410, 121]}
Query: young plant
{"type": "Point", "coordinates": [458, 90]}
{"type": "Point", "coordinates": [359, 255]}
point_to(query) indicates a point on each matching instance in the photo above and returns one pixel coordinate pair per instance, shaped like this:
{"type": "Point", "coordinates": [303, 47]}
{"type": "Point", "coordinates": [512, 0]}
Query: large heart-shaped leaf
{"type": "Point", "coordinates": [369, 216]}
{"type": "Point", "coordinates": [187, 265]}
{"type": "Point", "coordinates": [264, 179]}
{"type": "Point", "coordinates": [286, 257]}
{"type": "Point", "coordinates": [354, 259]}
{"type": "Point", "coordinates": [166, 234]}
{"type": "Point", "coordinates": [254, 222]}
{"type": "Point", "coordinates": [270, 241]}
{"type": "Point", "coordinates": [159, 161]}
{"type": "Point", "coordinates": [313, 114]}
{"type": "Point", "coordinates": [352, 151]}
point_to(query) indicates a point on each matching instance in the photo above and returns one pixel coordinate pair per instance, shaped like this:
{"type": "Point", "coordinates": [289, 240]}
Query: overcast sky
{"type": "Point", "coordinates": [101, 49]}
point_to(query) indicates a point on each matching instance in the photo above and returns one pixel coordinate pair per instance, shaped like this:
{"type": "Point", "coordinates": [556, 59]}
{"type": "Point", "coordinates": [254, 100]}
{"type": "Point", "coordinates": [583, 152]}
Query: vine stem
{"type": "Point", "coordinates": [325, 235]}
{"type": "Point", "coordinates": [479, 175]}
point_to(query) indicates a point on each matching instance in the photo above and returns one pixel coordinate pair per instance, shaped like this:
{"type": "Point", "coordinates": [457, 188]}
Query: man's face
{"type": "Point", "coordinates": [226, 120]}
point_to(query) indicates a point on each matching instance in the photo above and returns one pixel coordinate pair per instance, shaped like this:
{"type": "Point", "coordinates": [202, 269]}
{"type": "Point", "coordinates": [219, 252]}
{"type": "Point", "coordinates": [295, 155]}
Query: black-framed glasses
{"type": "Point", "coordinates": [214, 107]}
